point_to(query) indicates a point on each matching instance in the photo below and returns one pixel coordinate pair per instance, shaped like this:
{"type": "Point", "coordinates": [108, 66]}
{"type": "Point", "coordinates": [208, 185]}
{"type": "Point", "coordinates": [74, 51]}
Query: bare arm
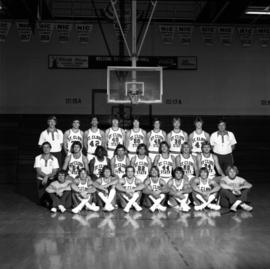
{"type": "Point", "coordinates": [120, 187]}
{"type": "Point", "coordinates": [65, 141]}
{"type": "Point", "coordinates": [107, 138]}
{"type": "Point", "coordinates": [127, 139]}
{"type": "Point", "coordinates": [85, 163]}
{"type": "Point", "coordinates": [195, 186]}
{"type": "Point", "coordinates": [168, 138]}
{"type": "Point", "coordinates": [67, 160]}
{"type": "Point", "coordinates": [173, 161]}
{"type": "Point", "coordinates": [195, 167]}
{"type": "Point", "coordinates": [85, 140]}
{"type": "Point", "coordinates": [139, 185]}
{"type": "Point", "coordinates": [190, 139]}
{"type": "Point", "coordinates": [144, 137]}
{"type": "Point", "coordinates": [91, 166]}
{"type": "Point", "coordinates": [216, 187]}
{"type": "Point", "coordinates": [103, 139]}
{"type": "Point", "coordinates": [148, 139]}
{"type": "Point", "coordinates": [156, 160]}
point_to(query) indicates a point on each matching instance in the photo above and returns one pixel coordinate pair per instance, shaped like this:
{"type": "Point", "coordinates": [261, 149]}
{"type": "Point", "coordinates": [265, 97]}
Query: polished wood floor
{"type": "Point", "coordinates": [32, 237]}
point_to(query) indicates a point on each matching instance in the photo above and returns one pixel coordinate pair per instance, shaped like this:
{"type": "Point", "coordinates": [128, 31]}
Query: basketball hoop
{"type": "Point", "coordinates": [134, 96]}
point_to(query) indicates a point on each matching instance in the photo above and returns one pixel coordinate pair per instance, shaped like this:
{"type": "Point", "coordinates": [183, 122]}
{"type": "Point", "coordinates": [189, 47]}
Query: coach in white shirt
{"type": "Point", "coordinates": [223, 143]}
{"type": "Point", "coordinates": [54, 137]}
{"type": "Point", "coordinates": [46, 166]}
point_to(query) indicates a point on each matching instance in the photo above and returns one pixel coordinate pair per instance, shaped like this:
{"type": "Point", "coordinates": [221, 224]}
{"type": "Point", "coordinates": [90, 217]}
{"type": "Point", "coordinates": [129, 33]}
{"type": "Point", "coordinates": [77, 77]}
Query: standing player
{"type": "Point", "coordinates": [155, 190]}
{"type": "Point", "coordinates": [98, 162]}
{"type": "Point", "coordinates": [72, 135]}
{"type": "Point", "coordinates": [134, 137]}
{"type": "Point", "coordinates": [197, 137]}
{"type": "Point", "coordinates": [141, 162]}
{"type": "Point", "coordinates": [154, 138]}
{"type": "Point", "coordinates": [82, 191]}
{"type": "Point", "coordinates": [55, 137]}
{"type": "Point", "coordinates": [120, 161]}
{"type": "Point", "coordinates": [130, 189]}
{"type": "Point", "coordinates": [179, 189]}
{"type": "Point", "coordinates": [209, 160]}
{"type": "Point", "coordinates": [165, 162]}
{"type": "Point", "coordinates": [205, 191]}
{"type": "Point", "coordinates": [114, 136]}
{"type": "Point", "coordinates": [105, 186]}
{"type": "Point", "coordinates": [176, 137]}
{"type": "Point", "coordinates": [187, 162]}
{"type": "Point", "coordinates": [93, 137]}
{"type": "Point", "coordinates": [75, 161]}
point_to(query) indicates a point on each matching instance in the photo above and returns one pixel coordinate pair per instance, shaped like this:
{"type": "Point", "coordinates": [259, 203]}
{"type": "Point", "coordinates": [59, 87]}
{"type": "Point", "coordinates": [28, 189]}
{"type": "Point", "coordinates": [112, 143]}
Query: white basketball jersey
{"type": "Point", "coordinates": [119, 167]}
{"type": "Point", "coordinates": [197, 141]}
{"type": "Point", "coordinates": [165, 167]}
{"type": "Point", "coordinates": [176, 141]}
{"type": "Point", "coordinates": [135, 139]}
{"type": "Point", "coordinates": [155, 139]}
{"type": "Point", "coordinates": [141, 168]}
{"type": "Point", "coordinates": [204, 186]}
{"type": "Point", "coordinates": [94, 139]}
{"type": "Point", "coordinates": [187, 164]}
{"type": "Point", "coordinates": [75, 165]}
{"type": "Point", "coordinates": [72, 137]}
{"type": "Point", "coordinates": [209, 163]}
{"type": "Point", "coordinates": [83, 186]}
{"type": "Point", "coordinates": [178, 187]}
{"type": "Point", "coordinates": [98, 166]}
{"type": "Point", "coordinates": [129, 186]}
{"type": "Point", "coordinates": [103, 182]}
{"type": "Point", "coordinates": [115, 138]}
{"type": "Point", "coordinates": [155, 186]}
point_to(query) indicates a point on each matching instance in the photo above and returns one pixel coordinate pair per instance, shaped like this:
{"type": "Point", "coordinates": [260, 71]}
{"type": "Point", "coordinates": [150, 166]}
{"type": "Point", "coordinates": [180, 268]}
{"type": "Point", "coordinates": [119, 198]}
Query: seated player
{"type": "Point", "coordinates": [165, 162]}
{"type": "Point", "coordinates": [75, 161]}
{"type": "Point", "coordinates": [179, 189]}
{"type": "Point", "coordinates": [72, 135]}
{"type": "Point", "coordinates": [176, 137]}
{"type": "Point", "coordinates": [209, 160]}
{"type": "Point", "coordinates": [155, 190]}
{"type": "Point", "coordinates": [105, 186]}
{"type": "Point", "coordinates": [204, 191]}
{"type": "Point", "coordinates": [120, 161]}
{"type": "Point", "coordinates": [60, 192]}
{"type": "Point", "coordinates": [134, 137]}
{"type": "Point", "coordinates": [98, 162]}
{"type": "Point", "coordinates": [154, 138]}
{"type": "Point", "coordinates": [46, 166]}
{"type": "Point", "coordinates": [141, 162]}
{"type": "Point", "coordinates": [82, 191]}
{"type": "Point", "coordinates": [92, 138]}
{"type": "Point", "coordinates": [187, 162]}
{"type": "Point", "coordinates": [113, 137]}
{"type": "Point", "coordinates": [234, 190]}
{"type": "Point", "coordinates": [197, 137]}
{"type": "Point", "coordinates": [129, 188]}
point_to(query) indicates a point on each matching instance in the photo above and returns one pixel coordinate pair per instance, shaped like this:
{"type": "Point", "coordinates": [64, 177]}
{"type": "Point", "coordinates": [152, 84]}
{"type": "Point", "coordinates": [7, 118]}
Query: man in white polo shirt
{"type": "Point", "coordinates": [54, 137]}
{"type": "Point", "coordinates": [223, 143]}
{"type": "Point", "coordinates": [46, 166]}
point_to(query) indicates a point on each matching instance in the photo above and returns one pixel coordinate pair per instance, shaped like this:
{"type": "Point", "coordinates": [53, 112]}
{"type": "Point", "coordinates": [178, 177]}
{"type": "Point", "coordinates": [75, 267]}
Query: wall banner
{"type": "Point", "coordinates": [67, 62]}
{"type": "Point", "coordinates": [208, 34]}
{"type": "Point", "coordinates": [184, 33]}
{"type": "Point", "coordinates": [167, 33]}
{"type": "Point", "coordinates": [63, 31]}
{"type": "Point", "coordinates": [262, 34]}
{"type": "Point", "coordinates": [225, 35]}
{"type": "Point", "coordinates": [83, 31]}
{"type": "Point", "coordinates": [45, 30]}
{"type": "Point", "coordinates": [246, 35]}
{"type": "Point", "coordinates": [4, 29]}
{"type": "Point", "coordinates": [24, 30]}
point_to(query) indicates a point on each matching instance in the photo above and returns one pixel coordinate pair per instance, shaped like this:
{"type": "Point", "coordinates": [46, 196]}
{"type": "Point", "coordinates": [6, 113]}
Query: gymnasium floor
{"type": "Point", "coordinates": [31, 237]}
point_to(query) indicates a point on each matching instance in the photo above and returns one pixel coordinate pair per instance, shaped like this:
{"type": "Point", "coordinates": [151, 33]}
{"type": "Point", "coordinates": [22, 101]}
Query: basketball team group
{"type": "Point", "coordinates": [133, 169]}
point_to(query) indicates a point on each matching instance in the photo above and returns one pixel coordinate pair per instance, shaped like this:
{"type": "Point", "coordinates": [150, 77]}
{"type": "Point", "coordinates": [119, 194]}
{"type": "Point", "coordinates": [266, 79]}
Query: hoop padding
{"type": "Point", "coordinates": [146, 83]}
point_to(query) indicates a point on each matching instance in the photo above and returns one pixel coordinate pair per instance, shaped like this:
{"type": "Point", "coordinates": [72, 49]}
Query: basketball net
{"type": "Point", "coordinates": [134, 96]}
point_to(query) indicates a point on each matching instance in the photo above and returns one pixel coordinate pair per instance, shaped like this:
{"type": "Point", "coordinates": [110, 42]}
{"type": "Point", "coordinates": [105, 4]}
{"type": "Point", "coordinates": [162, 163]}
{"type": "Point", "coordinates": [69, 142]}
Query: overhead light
{"type": "Point", "coordinates": [252, 10]}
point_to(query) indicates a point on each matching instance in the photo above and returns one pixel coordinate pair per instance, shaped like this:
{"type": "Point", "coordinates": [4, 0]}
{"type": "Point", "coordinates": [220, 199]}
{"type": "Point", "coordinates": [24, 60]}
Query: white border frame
{"type": "Point", "coordinates": [140, 68]}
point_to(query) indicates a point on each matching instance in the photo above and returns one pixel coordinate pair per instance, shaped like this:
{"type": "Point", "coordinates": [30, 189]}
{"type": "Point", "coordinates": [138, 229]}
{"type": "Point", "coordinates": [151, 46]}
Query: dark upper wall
{"type": "Point", "coordinates": [229, 80]}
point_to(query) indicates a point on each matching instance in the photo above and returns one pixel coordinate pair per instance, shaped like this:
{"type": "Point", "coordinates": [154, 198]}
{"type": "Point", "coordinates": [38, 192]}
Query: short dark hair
{"type": "Point", "coordinates": [178, 169]}
{"type": "Point", "coordinates": [154, 167]}
{"type": "Point", "coordinates": [104, 151]}
{"type": "Point", "coordinates": [176, 119]}
{"type": "Point", "coordinates": [130, 166]}
{"type": "Point", "coordinates": [142, 145]}
{"type": "Point", "coordinates": [198, 119]}
{"type": "Point", "coordinates": [206, 143]}
{"type": "Point", "coordinates": [74, 144]}
{"type": "Point", "coordinates": [161, 144]}
{"type": "Point", "coordinates": [52, 118]}
{"type": "Point", "coordinates": [105, 167]}
{"type": "Point", "coordinates": [232, 167]}
{"type": "Point", "coordinates": [204, 169]}
{"type": "Point", "coordinates": [62, 172]}
{"type": "Point", "coordinates": [119, 146]}
{"type": "Point", "coordinates": [46, 143]}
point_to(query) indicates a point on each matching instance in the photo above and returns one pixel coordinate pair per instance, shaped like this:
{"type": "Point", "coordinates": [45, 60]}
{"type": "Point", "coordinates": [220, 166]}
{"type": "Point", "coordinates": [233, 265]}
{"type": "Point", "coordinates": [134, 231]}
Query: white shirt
{"type": "Point", "coordinates": [234, 183]}
{"type": "Point", "coordinates": [46, 166]}
{"type": "Point", "coordinates": [222, 146]}
{"type": "Point", "coordinates": [55, 140]}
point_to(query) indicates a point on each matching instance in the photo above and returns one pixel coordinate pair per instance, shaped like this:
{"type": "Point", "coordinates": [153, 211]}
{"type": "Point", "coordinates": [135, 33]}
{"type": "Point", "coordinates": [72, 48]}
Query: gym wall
{"type": "Point", "coordinates": [229, 80]}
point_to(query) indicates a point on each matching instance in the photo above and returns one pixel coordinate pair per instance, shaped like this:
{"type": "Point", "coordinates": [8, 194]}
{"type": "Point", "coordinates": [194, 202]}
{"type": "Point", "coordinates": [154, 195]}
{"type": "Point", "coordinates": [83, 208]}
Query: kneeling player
{"type": "Point", "coordinates": [234, 190]}
{"type": "Point", "coordinates": [106, 188]}
{"type": "Point", "coordinates": [205, 191]}
{"type": "Point", "coordinates": [82, 193]}
{"type": "Point", "coordinates": [130, 190]}
{"type": "Point", "coordinates": [179, 189]}
{"type": "Point", "coordinates": [155, 189]}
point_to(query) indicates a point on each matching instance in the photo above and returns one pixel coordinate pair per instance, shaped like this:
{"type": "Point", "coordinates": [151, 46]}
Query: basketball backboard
{"type": "Point", "coordinates": [127, 84]}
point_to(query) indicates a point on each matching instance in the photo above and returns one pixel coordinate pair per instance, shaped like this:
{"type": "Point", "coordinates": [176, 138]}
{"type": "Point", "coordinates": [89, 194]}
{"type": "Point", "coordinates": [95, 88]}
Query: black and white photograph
{"type": "Point", "coordinates": [134, 134]}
